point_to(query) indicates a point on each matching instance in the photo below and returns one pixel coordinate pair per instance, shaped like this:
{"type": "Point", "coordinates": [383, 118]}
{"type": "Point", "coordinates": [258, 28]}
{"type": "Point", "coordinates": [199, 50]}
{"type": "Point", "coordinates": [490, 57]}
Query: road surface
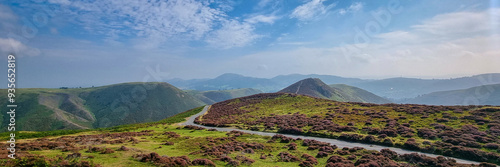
{"type": "Point", "coordinates": [339, 143]}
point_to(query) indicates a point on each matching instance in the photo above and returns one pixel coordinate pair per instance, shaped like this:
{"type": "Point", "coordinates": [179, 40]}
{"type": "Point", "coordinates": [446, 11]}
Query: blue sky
{"type": "Point", "coordinates": [83, 43]}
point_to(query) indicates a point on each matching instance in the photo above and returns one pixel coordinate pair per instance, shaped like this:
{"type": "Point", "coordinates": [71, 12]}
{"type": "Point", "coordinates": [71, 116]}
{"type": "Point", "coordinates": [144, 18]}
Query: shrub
{"type": "Point", "coordinates": [203, 162]}
{"type": "Point", "coordinates": [287, 157]}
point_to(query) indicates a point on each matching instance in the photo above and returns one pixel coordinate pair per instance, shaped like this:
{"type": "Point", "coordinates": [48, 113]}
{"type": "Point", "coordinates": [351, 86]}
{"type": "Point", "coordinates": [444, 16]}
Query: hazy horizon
{"type": "Point", "coordinates": [84, 43]}
{"type": "Point", "coordinates": [168, 79]}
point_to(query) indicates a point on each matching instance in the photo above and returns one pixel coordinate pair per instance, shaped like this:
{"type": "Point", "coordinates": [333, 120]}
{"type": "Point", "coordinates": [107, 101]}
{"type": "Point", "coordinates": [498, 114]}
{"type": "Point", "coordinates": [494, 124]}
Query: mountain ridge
{"type": "Point", "coordinates": [315, 87]}
{"type": "Point", "coordinates": [43, 109]}
{"type": "Point", "coordinates": [480, 95]}
{"type": "Point", "coordinates": [396, 89]}
{"type": "Point", "coordinates": [214, 96]}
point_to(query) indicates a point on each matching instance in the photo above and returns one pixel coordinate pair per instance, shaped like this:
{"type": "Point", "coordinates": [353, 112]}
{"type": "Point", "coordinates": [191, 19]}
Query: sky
{"type": "Point", "coordinates": [98, 42]}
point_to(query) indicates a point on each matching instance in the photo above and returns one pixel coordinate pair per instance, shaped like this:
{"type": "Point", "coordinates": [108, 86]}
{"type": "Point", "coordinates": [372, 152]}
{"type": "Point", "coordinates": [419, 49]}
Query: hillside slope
{"type": "Point", "coordinates": [316, 88]}
{"type": "Point", "coordinates": [286, 80]}
{"type": "Point", "coordinates": [213, 96]}
{"type": "Point", "coordinates": [355, 94]}
{"type": "Point", "coordinates": [481, 95]}
{"type": "Point", "coordinates": [165, 143]}
{"type": "Point", "coordinates": [469, 132]}
{"type": "Point", "coordinates": [84, 108]}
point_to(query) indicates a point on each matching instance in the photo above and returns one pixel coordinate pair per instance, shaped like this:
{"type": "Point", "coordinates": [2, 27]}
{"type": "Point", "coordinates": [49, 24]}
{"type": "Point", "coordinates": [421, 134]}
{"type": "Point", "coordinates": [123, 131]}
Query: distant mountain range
{"type": "Point", "coordinates": [339, 92]}
{"type": "Point", "coordinates": [480, 95]}
{"type": "Point", "coordinates": [83, 108]}
{"type": "Point", "coordinates": [395, 89]}
{"type": "Point", "coordinates": [213, 96]}
{"type": "Point", "coordinates": [225, 82]}
{"type": "Point", "coordinates": [43, 109]}
{"type": "Point", "coordinates": [404, 88]}
{"type": "Point", "coordinates": [236, 81]}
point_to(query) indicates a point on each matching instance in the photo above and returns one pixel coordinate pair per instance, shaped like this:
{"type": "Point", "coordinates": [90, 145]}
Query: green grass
{"type": "Point", "coordinates": [41, 109]}
{"type": "Point", "coordinates": [190, 141]}
{"type": "Point", "coordinates": [131, 127]}
{"type": "Point", "coordinates": [285, 105]}
{"type": "Point", "coordinates": [309, 106]}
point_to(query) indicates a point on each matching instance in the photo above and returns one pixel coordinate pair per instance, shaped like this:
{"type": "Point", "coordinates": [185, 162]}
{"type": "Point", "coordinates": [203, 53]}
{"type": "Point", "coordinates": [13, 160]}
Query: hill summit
{"type": "Point", "coordinates": [316, 88]}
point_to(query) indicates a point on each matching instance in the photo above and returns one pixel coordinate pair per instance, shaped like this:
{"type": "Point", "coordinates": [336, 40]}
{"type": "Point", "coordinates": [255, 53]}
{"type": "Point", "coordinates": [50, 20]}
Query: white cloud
{"type": "Point", "coordinates": [310, 10]}
{"type": "Point", "coordinates": [161, 21]}
{"type": "Point", "coordinates": [262, 19]}
{"type": "Point", "coordinates": [63, 2]}
{"type": "Point", "coordinates": [461, 23]}
{"type": "Point", "coordinates": [424, 50]}
{"type": "Point", "coordinates": [270, 5]}
{"type": "Point", "coordinates": [448, 27]}
{"type": "Point", "coordinates": [232, 34]}
{"type": "Point", "coordinates": [354, 7]}
{"type": "Point", "coordinates": [12, 46]}
{"type": "Point", "coordinates": [453, 58]}
{"type": "Point", "coordinates": [263, 3]}
{"type": "Point", "coordinates": [342, 11]}
{"type": "Point", "coordinates": [397, 37]}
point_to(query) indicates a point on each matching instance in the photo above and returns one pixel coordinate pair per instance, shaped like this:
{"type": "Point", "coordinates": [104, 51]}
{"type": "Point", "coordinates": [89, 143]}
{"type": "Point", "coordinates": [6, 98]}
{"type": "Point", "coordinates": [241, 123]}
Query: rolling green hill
{"type": "Point", "coordinates": [355, 94]}
{"type": "Point", "coordinates": [314, 87]}
{"type": "Point", "coordinates": [480, 95]}
{"type": "Point", "coordinates": [165, 143]}
{"type": "Point", "coordinates": [213, 96]}
{"type": "Point", "coordinates": [469, 132]}
{"type": "Point", "coordinates": [84, 108]}
{"type": "Point", "coordinates": [339, 92]}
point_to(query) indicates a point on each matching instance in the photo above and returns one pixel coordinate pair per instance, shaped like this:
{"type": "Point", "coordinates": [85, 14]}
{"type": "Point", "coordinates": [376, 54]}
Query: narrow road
{"type": "Point", "coordinates": [339, 143]}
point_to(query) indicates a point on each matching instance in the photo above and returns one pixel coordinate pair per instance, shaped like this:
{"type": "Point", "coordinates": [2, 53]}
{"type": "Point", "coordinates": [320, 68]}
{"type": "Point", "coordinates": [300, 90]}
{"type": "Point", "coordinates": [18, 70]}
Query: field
{"type": "Point", "coordinates": [468, 132]}
{"type": "Point", "coordinates": [164, 143]}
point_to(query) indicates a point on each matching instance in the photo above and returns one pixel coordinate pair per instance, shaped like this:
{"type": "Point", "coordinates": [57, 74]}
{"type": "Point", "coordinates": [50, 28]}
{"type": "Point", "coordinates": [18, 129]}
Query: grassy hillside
{"type": "Point", "coordinates": [164, 143]}
{"type": "Point", "coordinates": [213, 96]}
{"type": "Point", "coordinates": [469, 132]}
{"type": "Point", "coordinates": [339, 92]}
{"type": "Point", "coordinates": [481, 95]}
{"type": "Point", "coordinates": [314, 87]}
{"type": "Point", "coordinates": [84, 108]}
{"type": "Point", "coordinates": [355, 94]}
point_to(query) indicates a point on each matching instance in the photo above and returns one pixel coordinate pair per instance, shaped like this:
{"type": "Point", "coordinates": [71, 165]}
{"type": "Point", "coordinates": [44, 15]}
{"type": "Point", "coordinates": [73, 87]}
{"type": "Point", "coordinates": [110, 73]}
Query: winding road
{"type": "Point", "coordinates": [339, 143]}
